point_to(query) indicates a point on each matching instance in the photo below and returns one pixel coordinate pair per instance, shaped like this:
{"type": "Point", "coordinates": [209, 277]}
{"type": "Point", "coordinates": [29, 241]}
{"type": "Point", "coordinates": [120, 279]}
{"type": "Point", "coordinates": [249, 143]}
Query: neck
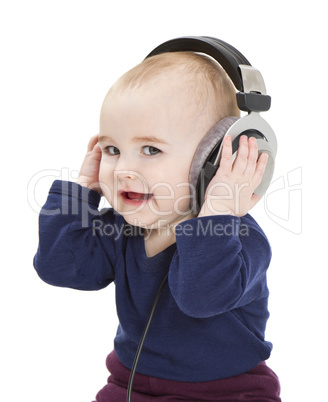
{"type": "Point", "coordinates": [158, 239]}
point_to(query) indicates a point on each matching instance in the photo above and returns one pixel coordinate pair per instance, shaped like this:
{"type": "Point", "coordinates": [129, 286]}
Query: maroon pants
{"type": "Point", "coordinates": [258, 385]}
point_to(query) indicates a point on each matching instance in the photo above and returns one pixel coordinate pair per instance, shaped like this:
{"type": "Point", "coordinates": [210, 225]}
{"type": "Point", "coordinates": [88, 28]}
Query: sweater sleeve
{"type": "Point", "coordinates": [220, 265]}
{"type": "Point", "coordinates": [71, 251]}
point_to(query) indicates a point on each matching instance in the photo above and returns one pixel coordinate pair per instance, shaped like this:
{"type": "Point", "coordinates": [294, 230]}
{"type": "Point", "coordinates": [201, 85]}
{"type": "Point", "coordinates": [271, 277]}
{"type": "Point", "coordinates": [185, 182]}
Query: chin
{"type": "Point", "coordinates": [146, 223]}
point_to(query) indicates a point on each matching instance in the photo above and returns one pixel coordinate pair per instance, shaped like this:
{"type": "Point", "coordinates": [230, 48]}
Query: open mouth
{"type": "Point", "coordinates": [136, 197]}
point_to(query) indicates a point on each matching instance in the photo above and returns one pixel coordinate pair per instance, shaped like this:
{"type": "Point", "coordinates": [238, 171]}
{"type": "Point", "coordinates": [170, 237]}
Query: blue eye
{"type": "Point", "coordinates": [149, 150]}
{"type": "Point", "coordinates": [112, 150]}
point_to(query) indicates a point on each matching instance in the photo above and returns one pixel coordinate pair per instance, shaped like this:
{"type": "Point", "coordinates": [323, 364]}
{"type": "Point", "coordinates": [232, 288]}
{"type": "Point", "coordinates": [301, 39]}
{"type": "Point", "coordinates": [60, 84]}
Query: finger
{"type": "Point", "coordinates": [260, 169]}
{"type": "Point", "coordinates": [226, 156]}
{"type": "Point", "coordinates": [240, 163]}
{"type": "Point", "coordinates": [92, 142]}
{"type": "Point", "coordinates": [252, 157]}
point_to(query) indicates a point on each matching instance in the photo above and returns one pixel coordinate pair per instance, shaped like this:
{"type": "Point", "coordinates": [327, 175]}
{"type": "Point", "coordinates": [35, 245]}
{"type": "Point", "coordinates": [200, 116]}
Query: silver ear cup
{"type": "Point", "coordinates": [202, 169]}
{"type": "Point", "coordinates": [267, 144]}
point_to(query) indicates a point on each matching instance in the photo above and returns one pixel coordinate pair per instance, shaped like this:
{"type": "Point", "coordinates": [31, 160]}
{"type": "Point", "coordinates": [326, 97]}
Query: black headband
{"type": "Point", "coordinates": [230, 59]}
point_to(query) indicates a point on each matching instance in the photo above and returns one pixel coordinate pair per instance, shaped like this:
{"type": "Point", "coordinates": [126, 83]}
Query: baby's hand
{"type": "Point", "coordinates": [231, 191]}
{"type": "Point", "coordinates": [89, 172]}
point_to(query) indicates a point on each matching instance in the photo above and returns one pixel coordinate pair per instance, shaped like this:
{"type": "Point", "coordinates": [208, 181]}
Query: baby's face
{"type": "Point", "coordinates": [148, 137]}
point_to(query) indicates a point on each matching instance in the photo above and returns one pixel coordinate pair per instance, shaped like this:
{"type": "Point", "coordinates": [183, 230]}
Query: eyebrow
{"type": "Point", "coordinates": [149, 139]}
{"type": "Point", "coordinates": [137, 139]}
{"type": "Point", "coordinates": [104, 137]}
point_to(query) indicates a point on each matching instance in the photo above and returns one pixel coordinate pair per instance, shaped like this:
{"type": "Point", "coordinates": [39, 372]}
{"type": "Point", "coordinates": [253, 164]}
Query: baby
{"type": "Point", "coordinates": [206, 340]}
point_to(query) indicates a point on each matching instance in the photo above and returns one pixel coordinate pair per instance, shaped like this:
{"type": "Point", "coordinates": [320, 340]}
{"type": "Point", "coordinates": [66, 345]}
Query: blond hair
{"type": "Point", "coordinates": [204, 77]}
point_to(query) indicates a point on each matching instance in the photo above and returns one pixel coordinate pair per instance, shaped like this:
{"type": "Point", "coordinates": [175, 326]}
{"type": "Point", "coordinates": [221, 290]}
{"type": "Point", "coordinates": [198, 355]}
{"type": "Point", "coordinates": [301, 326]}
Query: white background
{"type": "Point", "coordinates": [58, 59]}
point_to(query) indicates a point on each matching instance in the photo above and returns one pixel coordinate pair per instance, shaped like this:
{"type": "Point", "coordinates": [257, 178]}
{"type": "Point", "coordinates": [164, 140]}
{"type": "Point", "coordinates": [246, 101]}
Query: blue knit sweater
{"type": "Point", "coordinates": [211, 316]}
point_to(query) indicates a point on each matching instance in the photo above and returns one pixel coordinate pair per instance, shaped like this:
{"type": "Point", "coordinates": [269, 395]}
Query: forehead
{"type": "Point", "coordinates": [163, 108]}
{"type": "Point", "coordinates": [170, 92]}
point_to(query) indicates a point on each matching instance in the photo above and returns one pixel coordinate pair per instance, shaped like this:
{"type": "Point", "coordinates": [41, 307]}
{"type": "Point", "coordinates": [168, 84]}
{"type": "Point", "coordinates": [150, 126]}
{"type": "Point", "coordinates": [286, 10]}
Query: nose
{"type": "Point", "coordinates": [125, 167]}
{"type": "Point", "coordinates": [128, 171]}
{"type": "Point", "coordinates": [123, 175]}
{"type": "Point", "coordinates": [129, 179]}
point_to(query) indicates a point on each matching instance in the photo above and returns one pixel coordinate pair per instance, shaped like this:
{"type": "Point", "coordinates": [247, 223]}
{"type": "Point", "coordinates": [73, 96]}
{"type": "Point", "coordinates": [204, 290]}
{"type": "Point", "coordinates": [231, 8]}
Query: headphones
{"type": "Point", "coordinates": [251, 98]}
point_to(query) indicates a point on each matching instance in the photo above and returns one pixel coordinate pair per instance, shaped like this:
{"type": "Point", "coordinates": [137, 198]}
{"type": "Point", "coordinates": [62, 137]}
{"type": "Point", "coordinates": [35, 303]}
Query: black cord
{"type": "Point", "coordinates": [142, 340]}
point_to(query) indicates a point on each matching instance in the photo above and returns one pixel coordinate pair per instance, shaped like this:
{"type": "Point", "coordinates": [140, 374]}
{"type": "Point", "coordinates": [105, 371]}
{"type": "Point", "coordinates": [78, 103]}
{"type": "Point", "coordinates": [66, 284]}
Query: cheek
{"type": "Point", "coordinates": [106, 180]}
{"type": "Point", "coordinates": [182, 193]}
{"type": "Point", "coordinates": [182, 201]}
{"type": "Point", "coordinates": [174, 171]}
{"type": "Point", "coordinates": [174, 175]}
{"type": "Point", "coordinates": [172, 193]}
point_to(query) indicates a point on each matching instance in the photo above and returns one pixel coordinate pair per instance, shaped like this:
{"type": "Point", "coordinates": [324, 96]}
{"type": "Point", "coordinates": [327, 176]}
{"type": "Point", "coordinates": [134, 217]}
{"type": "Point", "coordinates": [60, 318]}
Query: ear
{"type": "Point", "coordinates": [209, 144]}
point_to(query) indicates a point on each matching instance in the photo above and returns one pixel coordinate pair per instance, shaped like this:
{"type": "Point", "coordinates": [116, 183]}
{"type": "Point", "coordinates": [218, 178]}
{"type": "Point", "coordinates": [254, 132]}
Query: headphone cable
{"type": "Point", "coordinates": [142, 340]}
